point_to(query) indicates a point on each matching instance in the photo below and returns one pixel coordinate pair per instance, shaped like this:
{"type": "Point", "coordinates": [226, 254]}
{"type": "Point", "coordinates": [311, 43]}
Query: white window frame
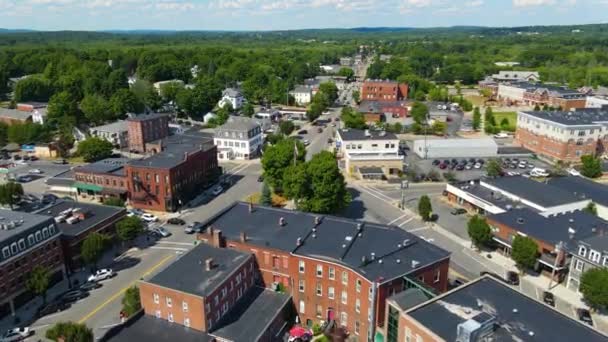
{"type": "Point", "coordinates": [344, 297]}
{"type": "Point", "coordinates": [437, 277]}
{"type": "Point", "coordinates": [302, 266]}
{"type": "Point", "coordinates": [156, 298]}
{"type": "Point", "coordinates": [319, 271]}
{"type": "Point", "coordinates": [170, 317]}
{"type": "Point", "coordinates": [358, 285]}
{"type": "Point", "coordinates": [157, 313]}
{"type": "Point", "coordinates": [302, 307]}
{"type": "Point", "coordinates": [343, 319]}
{"type": "Point", "coordinates": [332, 273]}
{"type": "Point", "coordinates": [331, 292]}
{"type": "Point", "coordinates": [319, 289]}
{"type": "Point", "coordinates": [187, 322]}
{"type": "Point", "coordinates": [301, 285]}
{"type": "Point", "coordinates": [357, 305]}
{"type": "Point", "coordinates": [582, 251]}
{"type": "Point", "coordinates": [344, 277]}
{"type": "Point", "coordinates": [169, 302]}
{"type": "Point", "coordinates": [184, 306]}
{"type": "Point", "coordinates": [578, 265]}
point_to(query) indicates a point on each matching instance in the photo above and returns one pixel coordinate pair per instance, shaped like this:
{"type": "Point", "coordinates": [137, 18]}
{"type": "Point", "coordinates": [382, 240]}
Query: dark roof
{"type": "Point", "coordinates": [598, 242]}
{"type": "Point", "coordinates": [151, 329]}
{"type": "Point", "coordinates": [250, 318]}
{"type": "Point", "coordinates": [94, 215]}
{"type": "Point", "coordinates": [409, 298]}
{"type": "Point", "coordinates": [487, 195]}
{"type": "Point", "coordinates": [359, 134]}
{"type": "Point", "coordinates": [489, 296]}
{"type": "Point", "coordinates": [344, 241]}
{"type": "Point", "coordinates": [582, 188]}
{"type": "Point", "coordinates": [536, 192]}
{"type": "Point", "coordinates": [188, 273]}
{"type": "Point", "coordinates": [110, 165]}
{"type": "Point", "coordinates": [554, 228]}
{"type": "Point", "coordinates": [369, 106]}
{"type": "Point", "coordinates": [175, 147]}
{"type": "Point", "coordinates": [144, 117]}
{"type": "Point", "coordinates": [24, 221]}
{"type": "Point", "coordinates": [584, 116]}
{"type": "Point", "coordinates": [65, 178]}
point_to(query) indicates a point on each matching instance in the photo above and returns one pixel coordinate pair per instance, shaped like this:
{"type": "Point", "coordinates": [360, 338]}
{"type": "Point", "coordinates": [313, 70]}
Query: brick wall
{"type": "Point", "coordinates": [554, 149]}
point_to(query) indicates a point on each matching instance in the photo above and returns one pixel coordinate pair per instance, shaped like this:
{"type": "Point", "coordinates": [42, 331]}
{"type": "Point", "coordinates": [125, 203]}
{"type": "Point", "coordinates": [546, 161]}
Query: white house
{"type": "Point", "coordinates": [116, 133]}
{"type": "Point", "coordinates": [159, 85]}
{"type": "Point", "coordinates": [207, 117]}
{"type": "Point", "coordinates": [232, 96]}
{"type": "Point", "coordinates": [369, 154]}
{"type": "Point", "coordinates": [39, 116]}
{"type": "Point", "coordinates": [302, 95]}
{"type": "Point", "coordinates": [238, 138]}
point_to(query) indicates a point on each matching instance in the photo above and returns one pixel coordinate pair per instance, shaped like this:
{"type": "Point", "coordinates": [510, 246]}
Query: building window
{"type": "Point", "coordinates": [437, 276]}
{"type": "Point", "coordinates": [170, 317]}
{"type": "Point", "coordinates": [357, 327]}
{"type": "Point", "coordinates": [156, 298]}
{"type": "Point", "coordinates": [301, 285]}
{"type": "Point", "coordinates": [578, 265]}
{"type": "Point", "coordinates": [330, 292]}
{"type": "Point", "coordinates": [5, 252]}
{"type": "Point", "coordinates": [14, 249]}
{"type": "Point", "coordinates": [224, 308]}
{"type": "Point", "coordinates": [319, 311]}
{"type": "Point", "coordinates": [157, 313]}
{"type": "Point", "coordinates": [594, 256]}
{"type": "Point", "coordinates": [187, 322]}
{"type": "Point", "coordinates": [358, 286]}
{"type": "Point", "coordinates": [216, 300]}
{"type": "Point", "coordinates": [169, 302]}
{"type": "Point", "coordinates": [224, 292]}
{"type": "Point", "coordinates": [302, 266]}
{"type": "Point", "coordinates": [207, 307]}
{"type": "Point", "coordinates": [184, 306]}
{"type": "Point", "coordinates": [21, 244]}
{"type": "Point", "coordinates": [319, 271]}
{"type": "Point", "coordinates": [582, 251]}
{"type": "Point", "coordinates": [51, 230]}
{"type": "Point", "coordinates": [408, 335]}
{"type": "Point", "coordinates": [344, 277]}
{"type": "Point", "coordinates": [30, 240]}
{"type": "Point", "coordinates": [357, 305]}
{"type": "Point", "coordinates": [343, 318]}
{"type": "Point", "coordinates": [418, 338]}
{"type": "Point", "coordinates": [605, 260]}
{"type": "Point", "coordinates": [344, 297]}
{"type": "Point", "coordinates": [38, 236]}
{"type": "Point", "coordinates": [332, 273]}
{"type": "Point", "coordinates": [302, 307]}
{"type": "Point", "coordinates": [319, 289]}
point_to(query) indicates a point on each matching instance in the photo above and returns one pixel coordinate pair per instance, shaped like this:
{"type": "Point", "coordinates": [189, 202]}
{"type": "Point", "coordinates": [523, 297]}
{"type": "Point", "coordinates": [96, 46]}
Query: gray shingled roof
{"type": "Point", "coordinates": [114, 127]}
{"type": "Point", "coordinates": [15, 114]}
{"type": "Point", "coordinates": [582, 188]}
{"type": "Point", "coordinates": [585, 116]}
{"type": "Point", "coordinates": [240, 124]}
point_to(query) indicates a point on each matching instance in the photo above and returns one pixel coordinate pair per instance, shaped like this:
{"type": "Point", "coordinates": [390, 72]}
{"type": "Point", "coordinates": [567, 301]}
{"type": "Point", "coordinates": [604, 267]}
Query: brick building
{"type": "Point", "coordinates": [146, 128]}
{"type": "Point", "coordinates": [101, 179]}
{"type": "Point", "coordinates": [183, 165]}
{"type": "Point", "coordinates": [485, 309]}
{"type": "Point", "coordinates": [383, 90]}
{"type": "Point", "coordinates": [563, 135]}
{"type": "Point", "coordinates": [377, 111]}
{"type": "Point", "coordinates": [26, 240]}
{"type": "Point", "coordinates": [536, 94]}
{"type": "Point", "coordinates": [334, 268]}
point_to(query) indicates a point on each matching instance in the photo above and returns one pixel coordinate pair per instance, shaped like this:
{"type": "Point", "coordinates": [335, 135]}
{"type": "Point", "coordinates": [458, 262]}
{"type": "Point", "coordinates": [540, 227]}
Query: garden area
{"type": "Point", "coordinates": [506, 120]}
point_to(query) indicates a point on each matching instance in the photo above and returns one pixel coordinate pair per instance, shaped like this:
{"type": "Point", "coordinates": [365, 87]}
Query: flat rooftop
{"type": "Point", "coordinates": [539, 193]}
{"type": "Point", "coordinates": [188, 273]}
{"type": "Point", "coordinates": [582, 188]}
{"type": "Point", "coordinates": [94, 215]}
{"type": "Point", "coordinates": [517, 315]}
{"type": "Point", "coordinates": [375, 251]}
{"type": "Point", "coordinates": [144, 117]}
{"type": "Point", "coordinates": [23, 221]}
{"type": "Point", "coordinates": [350, 134]}
{"type": "Point", "coordinates": [175, 148]}
{"type": "Point", "coordinates": [151, 329]}
{"type": "Point", "coordinates": [113, 166]}
{"type": "Point", "coordinates": [579, 117]}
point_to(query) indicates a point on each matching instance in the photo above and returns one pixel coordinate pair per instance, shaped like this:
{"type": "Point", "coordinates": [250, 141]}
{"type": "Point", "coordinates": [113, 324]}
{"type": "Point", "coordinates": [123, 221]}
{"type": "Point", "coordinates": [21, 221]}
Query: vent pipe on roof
{"type": "Point", "coordinates": [281, 221]}
{"type": "Point", "coordinates": [317, 220]}
{"type": "Point", "coordinates": [243, 237]}
{"type": "Point", "coordinates": [363, 260]}
{"type": "Point", "coordinates": [208, 264]}
{"type": "Point", "coordinates": [359, 226]}
{"type": "Point", "coordinates": [299, 242]}
{"type": "Point", "coordinates": [415, 263]}
{"type": "Point", "coordinates": [373, 256]}
{"type": "Point", "coordinates": [520, 220]}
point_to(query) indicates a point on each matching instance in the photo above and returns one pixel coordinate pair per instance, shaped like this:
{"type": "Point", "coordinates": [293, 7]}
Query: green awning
{"type": "Point", "coordinates": [88, 187]}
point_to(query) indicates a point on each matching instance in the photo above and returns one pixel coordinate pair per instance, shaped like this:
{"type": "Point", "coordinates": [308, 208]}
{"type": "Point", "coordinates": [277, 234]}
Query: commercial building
{"type": "Point", "coordinates": [563, 135]}
{"type": "Point", "coordinates": [536, 94]}
{"type": "Point", "coordinates": [26, 241]}
{"type": "Point", "coordinates": [516, 76]}
{"type": "Point", "coordinates": [146, 128]}
{"type": "Point", "coordinates": [596, 101]}
{"type": "Point", "coordinates": [455, 148]}
{"type": "Point", "coordinates": [369, 154]}
{"type": "Point", "coordinates": [590, 253]}
{"type": "Point", "coordinates": [485, 309]}
{"type": "Point", "coordinates": [232, 97]}
{"type": "Point", "coordinates": [116, 133]}
{"type": "Point", "coordinates": [101, 179]}
{"type": "Point", "coordinates": [585, 188]}
{"type": "Point", "coordinates": [302, 95]}
{"type": "Point", "coordinates": [14, 116]}
{"type": "Point", "coordinates": [381, 111]}
{"type": "Point", "coordinates": [238, 138]}
{"type": "Point", "coordinates": [336, 269]}
{"type": "Point", "coordinates": [383, 90]}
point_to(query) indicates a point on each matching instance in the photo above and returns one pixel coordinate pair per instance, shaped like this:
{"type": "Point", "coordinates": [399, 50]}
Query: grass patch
{"type": "Point", "coordinates": [476, 100]}
{"type": "Point", "coordinates": [511, 117]}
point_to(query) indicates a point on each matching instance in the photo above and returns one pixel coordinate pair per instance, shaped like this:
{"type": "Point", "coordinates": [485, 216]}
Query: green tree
{"type": "Point", "coordinates": [348, 73]}
{"type": "Point", "coordinates": [493, 168]}
{"type": "Point", "coordinates": [591, 166]}
{"type": "Point", "coordinates": [33, 88]}
{"type": "Point", "coordinates": [296, 183]}
{"type": "Point", "coordinates": [439, 127]}
{"type": "Point", "coordinates": [129, 228]}
{"type": "Point", "coordinates": [594, 287]}
{"type": "Point", "coordinates": [38, 281]}
{"type": "Point", "coordinates": [536, 108]}
{"type": "Point", "coordinates": [278, 157]}
{"type": "Point", "coordinates": [169, 91]}
{"type": "Point", "coordinates": [248, 110]}
{"type": "Point", "coordinates": [425, 210]}
{"type": "Point", "coordinates": [330, 90]}
{"type": "Point", "coordinates": [92, 248]}
{"type": "Point", "coordinates": [419, 112]}
{"type": "Point", "coordinates": [223, 114]}
{"type": "Point", "coordinates": [476, 119]}
{"type": "Point", "coordinates": [131, 303]}
{"type": "Point", "coordinates": [489, 117]}
{"type": "Point", "coordinates": [591, 208]}
{"type": "Point", "coordinates": [152, 99]}
{"type": "Point", "coordinates": [95, 109]}
{"type": "Point", "coordinates": [62, 104]}
{"type": "Point", "coordinates": [327, 192]}
{"type": "Point", "coordinates": [266, 198]}
{"type": "Point", "coordinates": [114, 201]}
{"type": "Point", "coordinates": [286, 127]}
{"type": "Point", "coordinates": [524, 252]}
{"type": "Point", "coordinates": [93, 149]}
{"type": "Point", "coordinates": [124, 101]}
{"type": "Point", "coordinates": [314, 111]}
{"type": "Point", "coordinates": [10, 194]}
{"type": "Point", "coordinates": [479, 231]}
{"type": "Point", "coordinates": [352, 119]}
{"type": "Point", "coordinates": [70, 332]}
{"type": "Point", "coordinates": [356, 96]}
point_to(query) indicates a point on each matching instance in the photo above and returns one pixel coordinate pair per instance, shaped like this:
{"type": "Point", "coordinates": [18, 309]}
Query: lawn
{"type": "Point", "coordinates": [510, 116]}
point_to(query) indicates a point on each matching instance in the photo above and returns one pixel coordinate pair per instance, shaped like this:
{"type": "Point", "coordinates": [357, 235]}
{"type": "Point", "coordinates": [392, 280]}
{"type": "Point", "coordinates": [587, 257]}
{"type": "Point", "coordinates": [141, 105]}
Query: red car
{"type": "Point", "coordinates": [443, 166]}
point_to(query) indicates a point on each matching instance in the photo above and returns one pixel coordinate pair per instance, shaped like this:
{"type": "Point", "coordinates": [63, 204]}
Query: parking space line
{"type": "Point", "coordinates": [416, 229]}
{"type": "Point", "coordinates": [406, 221]}
{"type": "Point", "coordinates": [176, 243]}
{"type": "Point", "coordinates": [397, 219]}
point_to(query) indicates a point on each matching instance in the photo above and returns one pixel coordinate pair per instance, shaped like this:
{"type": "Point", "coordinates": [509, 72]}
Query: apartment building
{"type": "Point", "coordinates": [302, 95]}
{"type": "Point", "coordinates": [369, 154]}
{"type": "Point", "coordinates": [102, 179]}
{"type": "Point", "coordinates": [590, 253]}
{"type": "Point", "coordinates": [383, 90]}
{"type": "Point", "coordinates": [26, 241]}
{"type": "Point", "coordinates": [146, 128]}
{"type": "Point", "coordinates": [335, 268]}
{"type": "Point", "coordinates": [563, 135]}
{"type": "Point", "coordinates": [535, 94]}
{"type": "Point", "coordinates": [239, 138]}
{"type": "Point", "coordinates": [117, 133]}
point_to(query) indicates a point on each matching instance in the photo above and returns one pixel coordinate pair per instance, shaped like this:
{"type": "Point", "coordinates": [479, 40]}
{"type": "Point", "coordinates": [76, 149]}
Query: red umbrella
{"type": "Point", "coordinates": [297, 331]}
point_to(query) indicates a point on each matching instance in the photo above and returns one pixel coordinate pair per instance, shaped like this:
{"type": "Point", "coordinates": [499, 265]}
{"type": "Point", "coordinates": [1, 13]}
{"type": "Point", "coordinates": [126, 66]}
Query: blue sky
{"type": "Point", "coordinates": [292, 14]}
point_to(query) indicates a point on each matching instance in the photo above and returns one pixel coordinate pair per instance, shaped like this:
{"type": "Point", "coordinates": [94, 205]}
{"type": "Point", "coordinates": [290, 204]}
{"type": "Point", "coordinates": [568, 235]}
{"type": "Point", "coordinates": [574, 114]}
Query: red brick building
{"type": "Point", "coordinates": [146, 128]}
{"type": "Point", "coordinates": [102, 179]}
{"type": "Point", "coordinates": [334, 268]}
{"type": "Point", "coordinates": [376, 111]}
{"type": "Point", "coordinates": [383, 90]}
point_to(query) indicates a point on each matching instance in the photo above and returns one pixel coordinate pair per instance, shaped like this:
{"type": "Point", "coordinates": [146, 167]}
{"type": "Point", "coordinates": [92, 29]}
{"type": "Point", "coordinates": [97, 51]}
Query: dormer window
{"type": "Point", "coordinates": [582, 251]}
{"type": "Point", "coordinates": [595, 256]}
{"type": "Point", "coordinates": [605, 260]}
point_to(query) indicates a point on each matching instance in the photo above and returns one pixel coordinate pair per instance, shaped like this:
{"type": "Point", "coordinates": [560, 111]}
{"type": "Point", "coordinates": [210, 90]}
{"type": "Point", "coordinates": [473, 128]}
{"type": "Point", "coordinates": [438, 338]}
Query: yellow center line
{"type": "Point", "coordinates": [458, 274]}
{"type": "Point", "coordinates": [120, 292]}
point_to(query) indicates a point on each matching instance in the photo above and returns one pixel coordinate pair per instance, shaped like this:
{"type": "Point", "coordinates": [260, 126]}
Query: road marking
{"type": "Point", "coordinates": [176, 243]}
{"type": "Point", "coordinates": [379, 193]}
{"type": "Point", "coordinates": [406, 221]}
{"type": "Point", "coordinates": [170, 248]}
{"type": "Point", "coordinates": [458, 274]}
{"type": "Point", "coordinates": [397, 219]}
{"type": "Point", "coordinates": [416, 229]}
{"type": "Point", "coordinates": [119, 293]}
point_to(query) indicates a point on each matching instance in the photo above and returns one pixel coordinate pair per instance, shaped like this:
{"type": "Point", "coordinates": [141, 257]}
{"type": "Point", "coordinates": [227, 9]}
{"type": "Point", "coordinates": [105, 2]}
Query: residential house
{"type": "Point", "coordinates": [232, 97]}
{"type": "Point", "coordinates": [38, 110]}
{"type": "Point", "coordinates": [116, 133]}
{"type": "Point", "coordinates": [302, 95]}
{"type": "Point", "coordinates": [590, 253]}
{"type": "Point", "coordinates": [238, 138]}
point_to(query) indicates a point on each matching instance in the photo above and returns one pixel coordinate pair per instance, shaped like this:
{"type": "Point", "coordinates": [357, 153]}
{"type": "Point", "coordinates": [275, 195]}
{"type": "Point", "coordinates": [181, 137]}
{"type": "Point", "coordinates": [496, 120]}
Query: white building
{"type": "Point", "coordinates": [302, 95]}
{"type": "Point", "coordinates": [369, 154]}
{"type": "Point", "coordinates": [238, 138]}
{"type": "Point", "coordinates": [159, 85]}
{"type": "Point", "coordinates": [516, 76]}
{"type": "Point", "coordinates": [455, 148]}
{"type": "Point", "coordinates": [596, 101]}
{"type": "Point", "coordinates": [513, 92]}
{"type": "Point", "coordinates": [39, 116]}
{"type": "Point", "coordinates": [232, 96]}
{"type": "Point", "coordinates": [116, 133]}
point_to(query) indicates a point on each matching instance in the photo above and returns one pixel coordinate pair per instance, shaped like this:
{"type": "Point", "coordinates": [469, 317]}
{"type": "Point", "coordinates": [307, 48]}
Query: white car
{"type": "Point", "coordinates": [149, 217]}
{"type": "Point", "coordinates": [102, 274]}
{"type": "Point", "coordinates": [16, 334]}
{"type": "Point", "coordinates": [501, 135]}
{"type": "Point", "coordinates": [477, 166]}
{"type": "Point", "coordinates": [574, 172]}
{"type": "Point", "coordinates": [35, 171]}
{"type": "Point", "coordinates": [538, 172]}
{"type": "Point", "coordinates": [217, 190]}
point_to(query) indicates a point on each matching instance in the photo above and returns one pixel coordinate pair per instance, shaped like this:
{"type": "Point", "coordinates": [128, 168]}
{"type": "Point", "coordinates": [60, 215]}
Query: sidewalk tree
{"type": "Point", "coordinates": [266, 198]}
{"type": "Point", "coordinates": [10, 193]}
{"type": "Point", "coordinates": [592, 166]}
{"type": "Point", "coordinates": [286, 127]}
{"type": "Point", "coordinates": [296, 184]}
{"type": "Point", "coordinates": [94, 149]}
{"type": "Point", "coordinates": [278, 157]}
{"type": "Point", "coordinates": [93, 247]}
{"type": "Point", "coordinates": [493, 168]}
{"type": "Point", "coordinates": [131, 303]}
{"type": "Point", "coordinates": [70, 332]}
{"type": "Point", "coordinates": [129, 228]}
{"type": "Point", "coordinates": [424, 208]}
{"type": "Point", "coordinates": [327, 192]}
{"type": "Point", "coordinates": [524, 252]}
{"type": "Point", "coordinates": [114, 201]}
{"type": "Point", "coordinates": [479, 231]}
{"type": "Point", "coordinates": [248, 110]}
{"type": "Point", "coordinates": [419, 112]}
{"type": "Point", "coordinates": [38, 281]}
{"type": "Point", "coordinates": [476, 119]}
{"type": "Point", "coordinates": [594, 287]}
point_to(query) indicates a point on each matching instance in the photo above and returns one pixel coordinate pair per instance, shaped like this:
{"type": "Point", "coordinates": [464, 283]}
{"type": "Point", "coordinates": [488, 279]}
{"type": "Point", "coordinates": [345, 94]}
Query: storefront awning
{"type": "Point", "coordinates": [371, 171]}
{"type": "Point", "coordinates": [88, 187]}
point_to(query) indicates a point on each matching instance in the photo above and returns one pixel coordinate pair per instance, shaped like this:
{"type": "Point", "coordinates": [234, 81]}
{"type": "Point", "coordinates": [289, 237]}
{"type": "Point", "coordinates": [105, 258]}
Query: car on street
{"type": "Point", "coordinates": [51, 308]}
{"type": "Point", "coordinates": [35, 171]}
{"type": "Point", "coordinates": [162, 232]}
{"type": "Point", "coordinates": [176, 221]}
{"type": "Point", "coordinates": [306, 142]}
{"type": "Point", "coordinates": [60, 162]}
{"type": "Point", "coordinates": [24, 179]}
{"type": "Point", "coordinates": [102, 274]}
{"type": "Point", "coordinates": [16, 157]}
{"type": "Point", "coordinates": [303, 131]}
{"type": "Point", "coordinates": [443, 166]}
{"type": "Point", "coordinates": [468, 166]}
{"type": "Point", "coordinates": [538, 172]}
{"type": "Point", "coordinates": [194, 227]}
{"type": "Point", "coordinates": [135, 212]}
{"type": "Point", "coordinates": [548, 298]}
{"type": "Point", "coordinates": [512, 278]}
{"type": "Point", "coordinates": [460, 167]}
{"type": "Point", "coordinates": [477, 166]}
{"type": "Point", "coordinates": [584, 316]}
{"type": "Point", "coordinates": [147, 217]}
{"type": "Point", "coordinates": [436, 162]}
{"type": "Point", "coordinates": [574, 172]}
{"type": "Point", "coordinates": [217, 190]}
{"type": "Point", "coordinates": [89, 286]}
{"type": "Point", "coordinates": [458, 211]}
{"type": "Point", "coordinates": [16, 334]}
{"type": "Point", "coordinates": [33, 158]}
{"type": "Point", "coordinates": [260, 178]}
{"type": "Point", "coordinates": [501, 135]}
{"type": "Point", "coordinates": [73, 296]}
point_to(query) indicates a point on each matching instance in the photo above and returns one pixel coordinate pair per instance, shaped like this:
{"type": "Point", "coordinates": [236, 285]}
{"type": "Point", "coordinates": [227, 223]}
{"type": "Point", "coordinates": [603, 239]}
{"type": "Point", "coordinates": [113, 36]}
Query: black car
{"type": "Point", "coordinates": [303, 131]}
{"type": "Point", "coordinates": [512, 278]}
{"type": "Point", "coordinates": [260, 178]}
{"type": "Point", "coordinates": [16, 157]}
{"type": "Point", "coordinates": [446, 162]}
{"type": "Point", "coordinates": [26, 158]}
{"type": "Point", "coordinates": [548, 298]}
{"type": "Point", "coordinates": [33, 158]}
{"type": "Point", "coordinates": [73, 296]}
{"type": "Point", "coordinates": [176, 221]}
{"type": "Point", "coordinates": [458, 211]}
{"type": "Point", "coordinates": [51, 308]}
{"type": "Point", "coordinates": [460, 167]}
{"type": "Point", "coordinates": [584, 316]}
{"type": "Point", "coordinates": [90, 285]}
{"type": "Point", "coordinates": [454, 161]}
{"type": "Point", "coordinates": [472, 160]}
{"type": "Point", "coordinates": [436, 162]}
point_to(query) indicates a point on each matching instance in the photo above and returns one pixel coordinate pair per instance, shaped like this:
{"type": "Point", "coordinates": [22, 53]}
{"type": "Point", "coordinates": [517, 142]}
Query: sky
{"type": "Point", "coordinates": [292, 14]}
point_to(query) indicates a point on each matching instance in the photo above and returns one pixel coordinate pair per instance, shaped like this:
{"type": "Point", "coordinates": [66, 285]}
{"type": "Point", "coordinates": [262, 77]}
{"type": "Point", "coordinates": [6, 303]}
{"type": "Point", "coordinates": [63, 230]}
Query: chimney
{"type": "Point", "coordinates": [217, 239]}
{"type": "Point", "coordinates": [243, 237]}
{"type": "Point", "coordinates": [299, 242]}
{"type": "Point", "coordinates": [282, 221]}
{"type": "Point", "coordinates": [373, 256]}
{"type": "Point", "coordinates": [208, 264]}
{"type": "Point", "coordinates": [317, 220]}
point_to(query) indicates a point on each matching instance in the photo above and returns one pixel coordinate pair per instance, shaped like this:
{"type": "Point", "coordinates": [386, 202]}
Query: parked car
{"type": "Point", "coordinates": [16, 334]}
{"type": "Point", "coordinates": [50, 308]}
{"type": "Point", "coordinates": [303, 131]}
{"type": "Point", "coordinates": [161, 231]}
{"type": "Point", "coordinates": [24, 179]}
{"type": "Point", "coordinates": [443, 166]}
{"type": "Point", "coordinates": [460, 167]}
{"type": "Point", "coordinates": [574, 172]}
{"type": "Point", "coordinates": [135, 212]}
{"type": "Point", "coordinates": [477, 166]}
{"type": "Point", "coordinates": [512, 278]}
{"type": "Point", "coordinates": [194, 227]}
{"type": "Point", "coordinates": [16, 157]}
{"type": "Point", "coordinates": [89, 285]}
{"type": "Point", "coordinates": [35, 171]}
{"type": "Point", "coordinates": [458, 211]}
{"type": "Point", "coordinates": [149, 217]}
{"type": "Point", "coordinates": [548, 298]}
{"type": "Point", "coordinates": [102, 274]}
{"type": "Point", "coordinates": [436, 162]}
{"type": "Point", "coordinates": [260, 178]}
{"type": "Point", "coordinates": [217, 190]}
{"type": "Point", "coordinates": [176, 221]}
{"type": "Point", "coordinates": [584, 316]}
{"type": "Point", "coordinates": [501, 135]}
{"type": "Point", "coordinates": [33, 158]}
{"type": "Point", "coordinates": [73, 296]}
{"type": "Point", "coordinates": [60, 162]}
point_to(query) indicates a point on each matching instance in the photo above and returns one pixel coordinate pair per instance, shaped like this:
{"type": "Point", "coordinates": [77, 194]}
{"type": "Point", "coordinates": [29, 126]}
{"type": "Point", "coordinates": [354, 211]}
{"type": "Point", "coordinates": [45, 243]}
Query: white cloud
{"type": "Point", "coordinates": [527, 3]}
{"type": "Point", "coordinates": [474, 3]}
